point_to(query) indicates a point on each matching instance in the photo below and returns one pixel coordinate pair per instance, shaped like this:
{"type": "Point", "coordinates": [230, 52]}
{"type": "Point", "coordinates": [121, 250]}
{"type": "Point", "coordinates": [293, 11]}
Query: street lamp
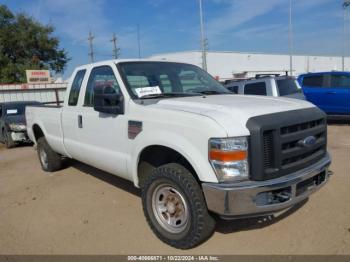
{"type": "Point", "coordinates": [345, 5]}
{"type": "Point", "coordinates": [203, 41]}
{"type": "Point", "coordinates": [291, 38]}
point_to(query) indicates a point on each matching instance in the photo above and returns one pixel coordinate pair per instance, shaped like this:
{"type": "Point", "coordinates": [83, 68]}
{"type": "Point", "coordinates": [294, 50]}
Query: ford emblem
{"type": "Point", "coordinates": [307, 142]}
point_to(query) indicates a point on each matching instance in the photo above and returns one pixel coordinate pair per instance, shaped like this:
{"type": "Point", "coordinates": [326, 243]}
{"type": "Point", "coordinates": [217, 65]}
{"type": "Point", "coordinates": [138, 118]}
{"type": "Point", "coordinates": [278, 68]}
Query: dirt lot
{"type": "Point", "coordinates": [81, 210]}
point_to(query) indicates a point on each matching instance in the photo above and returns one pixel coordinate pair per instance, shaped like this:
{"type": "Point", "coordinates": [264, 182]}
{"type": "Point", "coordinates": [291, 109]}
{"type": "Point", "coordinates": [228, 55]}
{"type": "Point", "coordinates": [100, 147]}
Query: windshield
{"type": "Point", "coordinates": [288, 87]}
{"type": "Point", "coordinates": [164, 79]}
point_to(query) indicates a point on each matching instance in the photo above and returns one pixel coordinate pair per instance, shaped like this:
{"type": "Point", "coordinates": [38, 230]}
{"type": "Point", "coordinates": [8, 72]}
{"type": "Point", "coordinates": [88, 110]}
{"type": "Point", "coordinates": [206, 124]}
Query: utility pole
{"type": "Point", "coordinates": [91, 53]}
{"type": "Point", "coordinates": [138, 40]}
{"type": "Point", "coordinates": [115, 50]}
{"type": "Point", "coordinates": [290, 38]}
{"type": "Point", "coordinates": [345, 5]}
{"type": "Point", "coordinates": [203, 40]}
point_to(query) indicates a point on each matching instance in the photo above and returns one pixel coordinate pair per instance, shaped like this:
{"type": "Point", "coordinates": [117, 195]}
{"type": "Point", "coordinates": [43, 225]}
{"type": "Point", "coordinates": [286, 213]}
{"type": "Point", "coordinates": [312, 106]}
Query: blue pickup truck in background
{"type": "Point", "coordinates": [330, 91]}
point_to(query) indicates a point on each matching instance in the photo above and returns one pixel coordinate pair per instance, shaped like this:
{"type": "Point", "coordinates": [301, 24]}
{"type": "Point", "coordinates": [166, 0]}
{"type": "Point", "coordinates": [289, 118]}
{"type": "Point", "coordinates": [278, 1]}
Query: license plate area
{"type": "Point", "coordinates": [310, 183]}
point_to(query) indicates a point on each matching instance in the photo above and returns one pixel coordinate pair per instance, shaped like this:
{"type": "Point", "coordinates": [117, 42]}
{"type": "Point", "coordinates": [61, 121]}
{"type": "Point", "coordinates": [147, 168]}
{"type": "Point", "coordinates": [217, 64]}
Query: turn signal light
{"type": "Point", "coordinates": [227, 156]}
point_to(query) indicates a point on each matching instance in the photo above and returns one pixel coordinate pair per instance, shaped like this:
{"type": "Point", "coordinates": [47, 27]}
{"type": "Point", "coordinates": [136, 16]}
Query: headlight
{"type": "Point", "coordinates": [229, 158]}
{"type": "Point", "coordinates": [18, 127]}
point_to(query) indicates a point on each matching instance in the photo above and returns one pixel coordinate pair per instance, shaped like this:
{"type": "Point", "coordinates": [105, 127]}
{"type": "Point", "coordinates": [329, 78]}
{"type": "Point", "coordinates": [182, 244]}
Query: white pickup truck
{"type": "Point", "coordinates": [194, 149]}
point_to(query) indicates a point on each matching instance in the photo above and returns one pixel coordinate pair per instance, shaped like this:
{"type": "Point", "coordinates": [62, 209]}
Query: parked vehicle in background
{"type": "Point", "coordinates": [330, 91]}
{"type": "Point", "coordinates": [13, 123]}
{"type": "Point", "coordinates": [192, 147]}
{"type": "Point", "coordinates": [267, 85]}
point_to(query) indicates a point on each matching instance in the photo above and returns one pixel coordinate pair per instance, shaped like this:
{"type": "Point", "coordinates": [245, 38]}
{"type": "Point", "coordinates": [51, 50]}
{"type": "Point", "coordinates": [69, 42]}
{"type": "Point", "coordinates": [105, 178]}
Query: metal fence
{"type": "Point", "coordinates": [45, 93]}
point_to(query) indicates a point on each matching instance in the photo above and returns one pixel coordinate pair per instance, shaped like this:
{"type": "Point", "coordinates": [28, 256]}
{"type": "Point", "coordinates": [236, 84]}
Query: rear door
{"type": "Point", "coordinates": [71, 115]}
{"type": "Point", "coordinates": [315, 91]}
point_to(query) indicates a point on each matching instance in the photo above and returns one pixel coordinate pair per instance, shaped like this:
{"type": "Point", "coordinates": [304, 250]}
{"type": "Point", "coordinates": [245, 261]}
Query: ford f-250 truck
{"type": "Point", "coordinates": [194, 149]}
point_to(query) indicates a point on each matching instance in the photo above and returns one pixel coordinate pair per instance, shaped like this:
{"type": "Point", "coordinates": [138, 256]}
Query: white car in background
{"type": "Point", "coordinates": [267, 85]}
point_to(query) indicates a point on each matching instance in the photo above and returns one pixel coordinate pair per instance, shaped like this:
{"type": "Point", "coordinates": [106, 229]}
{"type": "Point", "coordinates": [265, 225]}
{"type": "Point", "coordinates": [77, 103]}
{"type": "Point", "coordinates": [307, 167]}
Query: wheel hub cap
{"type": "Point", "coordinates": [170, 208]}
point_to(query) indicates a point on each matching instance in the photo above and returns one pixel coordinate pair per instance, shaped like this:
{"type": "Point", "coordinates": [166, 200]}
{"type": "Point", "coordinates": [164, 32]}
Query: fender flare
{"type": "Point", "coordinates": [177, 143]}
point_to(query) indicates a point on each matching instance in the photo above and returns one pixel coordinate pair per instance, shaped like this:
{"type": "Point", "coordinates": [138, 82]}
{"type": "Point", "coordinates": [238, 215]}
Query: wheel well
{"type": "Point", "coordinates": [154, 156]}
{"type": "Point", "coordinates": [37, 132]}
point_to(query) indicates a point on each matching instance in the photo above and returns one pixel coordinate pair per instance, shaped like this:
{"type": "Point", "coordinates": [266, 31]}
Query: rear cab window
{"type": "Point", "coordinates": [75, 89]}
{"type": "Point", "coordinates": [255, 89]}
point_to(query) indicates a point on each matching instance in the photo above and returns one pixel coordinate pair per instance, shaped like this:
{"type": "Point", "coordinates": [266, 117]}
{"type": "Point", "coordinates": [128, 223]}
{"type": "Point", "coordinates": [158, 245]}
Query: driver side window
{"type": "Point", "coordinates": [100, 76]}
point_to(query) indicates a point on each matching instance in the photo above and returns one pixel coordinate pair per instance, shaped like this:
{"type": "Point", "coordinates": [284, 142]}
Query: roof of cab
{"type": "Point", "coordinates": [116, 61]}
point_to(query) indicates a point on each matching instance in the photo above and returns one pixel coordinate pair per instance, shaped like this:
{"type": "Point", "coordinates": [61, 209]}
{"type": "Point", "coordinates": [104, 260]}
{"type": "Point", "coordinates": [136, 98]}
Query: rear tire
{"type": "Point", "coordinates": [174, 206]}
{"type": "Point", "coordinates": [50, 161]}
{"type": "Point", "coordinates": [9, 143]}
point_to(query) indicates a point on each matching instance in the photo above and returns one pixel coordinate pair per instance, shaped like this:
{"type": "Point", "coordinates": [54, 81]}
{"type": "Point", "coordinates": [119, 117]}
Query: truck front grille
{"type": "Point", "coordinates": [284, 148]}
{"type": "Point", "coordinates": [268, 149]}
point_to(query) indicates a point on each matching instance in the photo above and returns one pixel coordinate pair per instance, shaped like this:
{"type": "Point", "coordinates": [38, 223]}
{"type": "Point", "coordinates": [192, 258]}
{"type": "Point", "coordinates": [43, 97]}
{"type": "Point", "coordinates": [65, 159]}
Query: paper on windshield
{"type": "Point", "coordinates": [11, 111]}
{"type": "Point", "coordinates": [148, 90]}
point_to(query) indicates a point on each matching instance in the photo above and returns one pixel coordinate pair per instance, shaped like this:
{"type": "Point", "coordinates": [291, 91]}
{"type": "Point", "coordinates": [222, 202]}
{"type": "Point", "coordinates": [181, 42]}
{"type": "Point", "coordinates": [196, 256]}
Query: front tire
{"type": "Point", "coordinates": [50, 161]}
{"type": "Point", "coordinates": [174, 206]}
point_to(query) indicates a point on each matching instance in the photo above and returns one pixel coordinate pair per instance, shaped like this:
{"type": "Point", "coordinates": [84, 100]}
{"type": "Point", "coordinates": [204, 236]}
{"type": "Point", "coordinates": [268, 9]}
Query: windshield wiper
{"type": "Point", "coordinates": [212, 92]}
{"type": "Point", "coordinates": [165, 95]}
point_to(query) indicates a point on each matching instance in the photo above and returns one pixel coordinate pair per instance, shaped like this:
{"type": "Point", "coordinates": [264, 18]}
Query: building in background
{"type": "Point", "coordinates": [227, 65]}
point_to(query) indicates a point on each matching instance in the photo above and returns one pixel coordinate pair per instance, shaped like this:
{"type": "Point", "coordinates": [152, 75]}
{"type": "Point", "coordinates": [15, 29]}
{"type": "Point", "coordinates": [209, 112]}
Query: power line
{"type": "Point", "coordinates": [91, 53]}
{"type": "Point", "coordinates": [116, 51]}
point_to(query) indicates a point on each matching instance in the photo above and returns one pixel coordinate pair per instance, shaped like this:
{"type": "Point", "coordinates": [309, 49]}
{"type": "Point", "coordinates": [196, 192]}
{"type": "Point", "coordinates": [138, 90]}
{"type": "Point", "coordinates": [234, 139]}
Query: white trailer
{"type": "Point", "coordinates": [226, 65]}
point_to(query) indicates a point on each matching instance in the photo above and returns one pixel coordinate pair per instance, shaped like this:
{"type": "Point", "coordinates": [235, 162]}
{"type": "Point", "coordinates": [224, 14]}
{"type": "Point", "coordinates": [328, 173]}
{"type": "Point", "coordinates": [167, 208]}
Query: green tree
{"type": "Point", "coordinates": [27, 44]}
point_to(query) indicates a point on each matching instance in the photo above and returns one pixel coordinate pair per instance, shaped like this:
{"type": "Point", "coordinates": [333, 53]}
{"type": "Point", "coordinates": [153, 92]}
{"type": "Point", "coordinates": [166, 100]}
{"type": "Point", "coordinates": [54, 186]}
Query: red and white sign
{"type": "Point", "coordinates": [38, 76]}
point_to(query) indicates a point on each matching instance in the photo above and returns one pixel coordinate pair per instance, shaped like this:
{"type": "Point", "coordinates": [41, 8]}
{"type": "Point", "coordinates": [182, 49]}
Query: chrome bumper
{"type": "Point", "coordinates": [255, 198]}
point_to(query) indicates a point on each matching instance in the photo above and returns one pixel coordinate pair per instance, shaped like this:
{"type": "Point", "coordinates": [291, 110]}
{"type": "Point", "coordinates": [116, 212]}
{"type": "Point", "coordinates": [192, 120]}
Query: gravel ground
{"type": "Point", "coordinates": [82, 210]}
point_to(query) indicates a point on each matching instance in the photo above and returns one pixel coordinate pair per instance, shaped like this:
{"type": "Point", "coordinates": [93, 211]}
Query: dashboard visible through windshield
{"type": "Point", "coordinates": [163, 79]}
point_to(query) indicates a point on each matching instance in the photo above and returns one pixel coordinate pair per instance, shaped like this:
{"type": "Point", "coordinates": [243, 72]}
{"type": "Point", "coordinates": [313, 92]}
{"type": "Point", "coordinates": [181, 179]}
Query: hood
{"type": "Point", "coordinates": [232, 111]}
{"type": "Point", "coordinates": [16, 119]}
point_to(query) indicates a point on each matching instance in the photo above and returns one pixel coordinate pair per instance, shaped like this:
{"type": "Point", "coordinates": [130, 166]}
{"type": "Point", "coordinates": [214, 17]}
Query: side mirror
{"type": "Point", "coordinates": [106, 100]}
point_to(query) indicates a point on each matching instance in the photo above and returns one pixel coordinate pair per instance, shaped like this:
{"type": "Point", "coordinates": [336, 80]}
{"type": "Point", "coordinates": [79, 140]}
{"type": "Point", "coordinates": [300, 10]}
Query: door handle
{"type": "Point", "coordinates": [331, 93]}
{"type": "Point", "coordinates": [80, 121]}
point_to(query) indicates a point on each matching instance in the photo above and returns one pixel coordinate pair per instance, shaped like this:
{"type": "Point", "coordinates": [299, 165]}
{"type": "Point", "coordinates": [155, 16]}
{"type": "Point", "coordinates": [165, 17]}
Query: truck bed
{"type": "Point", "coordinates": [49, 119]}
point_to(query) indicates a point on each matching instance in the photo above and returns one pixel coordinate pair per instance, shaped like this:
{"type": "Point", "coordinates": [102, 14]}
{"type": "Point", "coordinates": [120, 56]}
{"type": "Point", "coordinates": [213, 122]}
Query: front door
{"type": "Point", "coordinates": [101, 135]}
